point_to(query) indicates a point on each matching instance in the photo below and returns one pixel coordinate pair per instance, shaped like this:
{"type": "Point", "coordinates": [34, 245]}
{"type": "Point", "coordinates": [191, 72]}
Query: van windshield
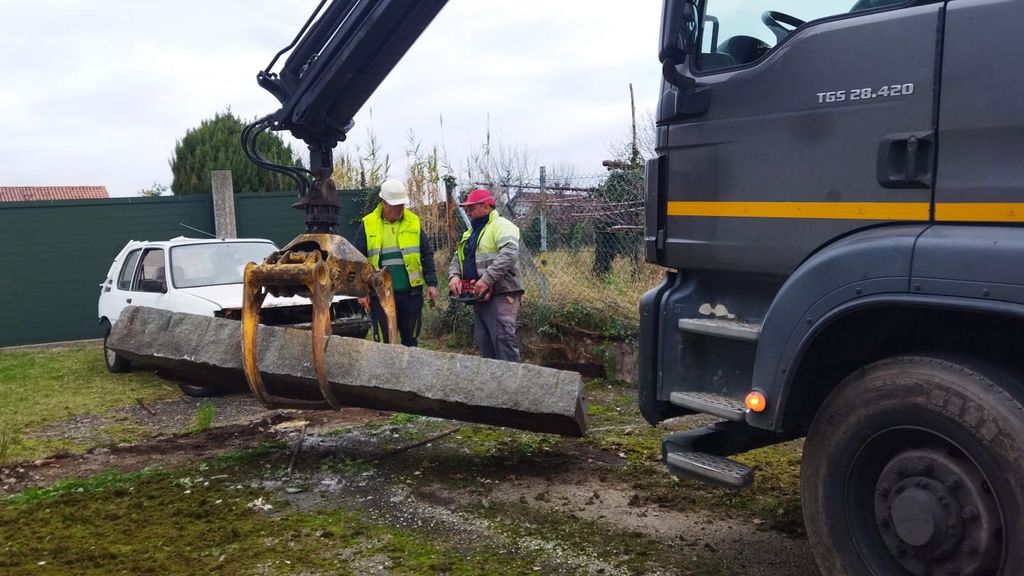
{"type": "Point", "coordinates": [212, 264]}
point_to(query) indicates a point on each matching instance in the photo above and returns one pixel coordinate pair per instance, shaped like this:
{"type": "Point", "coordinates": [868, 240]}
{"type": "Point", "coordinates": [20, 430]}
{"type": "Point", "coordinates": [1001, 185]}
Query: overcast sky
{"type": "Point", "coordinates": [96, 93]}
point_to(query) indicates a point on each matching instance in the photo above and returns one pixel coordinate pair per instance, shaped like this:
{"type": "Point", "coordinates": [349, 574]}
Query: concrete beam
{"type": "Point", "coordinates": [207, 351]}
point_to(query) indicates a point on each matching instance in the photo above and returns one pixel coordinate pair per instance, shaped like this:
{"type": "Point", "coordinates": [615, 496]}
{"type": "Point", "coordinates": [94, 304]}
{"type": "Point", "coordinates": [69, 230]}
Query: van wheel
{"type": "Point", "coordinates": [115, 363]}
{"type": "Point", "coordinates": [913, 466]}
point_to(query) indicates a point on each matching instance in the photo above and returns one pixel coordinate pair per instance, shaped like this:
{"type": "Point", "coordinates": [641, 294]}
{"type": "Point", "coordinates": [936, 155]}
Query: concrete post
{"type": "Point", "coordinates": [449, 208]}
{"type": "Point", "coordinates": [224, 204]}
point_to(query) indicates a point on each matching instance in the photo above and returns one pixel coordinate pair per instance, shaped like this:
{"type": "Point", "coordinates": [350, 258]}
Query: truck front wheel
{"type": "Point", "coordinates": [915, 465]}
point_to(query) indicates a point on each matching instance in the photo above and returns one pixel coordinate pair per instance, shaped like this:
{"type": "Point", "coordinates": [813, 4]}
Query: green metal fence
{"type": "Point", "coordinates": [55, 254]}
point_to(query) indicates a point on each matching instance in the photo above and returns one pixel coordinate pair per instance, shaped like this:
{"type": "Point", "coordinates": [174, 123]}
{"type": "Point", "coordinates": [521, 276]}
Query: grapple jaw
{"type": "Point", "coordinates": [317, 266]}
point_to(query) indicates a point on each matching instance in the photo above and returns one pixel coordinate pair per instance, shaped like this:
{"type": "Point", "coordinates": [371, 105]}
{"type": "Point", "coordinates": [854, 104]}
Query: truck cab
{"type": "Point", "coordinates": [837, 201]}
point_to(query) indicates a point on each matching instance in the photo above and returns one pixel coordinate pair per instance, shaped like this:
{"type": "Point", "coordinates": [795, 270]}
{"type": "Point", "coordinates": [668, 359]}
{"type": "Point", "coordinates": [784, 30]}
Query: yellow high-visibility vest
{"type": "Point", "coordinates": [407, 237]}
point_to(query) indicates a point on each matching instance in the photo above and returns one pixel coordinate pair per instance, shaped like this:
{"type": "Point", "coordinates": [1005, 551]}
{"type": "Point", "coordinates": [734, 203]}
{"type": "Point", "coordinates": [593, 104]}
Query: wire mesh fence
{"type": "Point", "coordinates": [581, 239]}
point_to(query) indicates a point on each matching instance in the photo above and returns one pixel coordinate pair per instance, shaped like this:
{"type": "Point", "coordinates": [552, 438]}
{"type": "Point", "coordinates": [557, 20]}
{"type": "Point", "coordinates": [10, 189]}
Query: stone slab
{"type": "Point", "coordinates": [208, 351]}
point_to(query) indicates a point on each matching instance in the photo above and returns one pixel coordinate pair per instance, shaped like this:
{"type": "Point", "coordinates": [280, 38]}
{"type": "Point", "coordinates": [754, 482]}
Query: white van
{"type": "Point", "coordinates": [204, 276]}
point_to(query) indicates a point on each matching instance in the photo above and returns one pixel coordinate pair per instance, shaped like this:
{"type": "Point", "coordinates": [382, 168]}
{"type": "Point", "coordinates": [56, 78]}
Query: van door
{"type": "Point", "coordinates": [149, 287]}
{"type": "Point", "coordinates": [820, 121]}
{"type": "Point", "coordinates": [113, 300]}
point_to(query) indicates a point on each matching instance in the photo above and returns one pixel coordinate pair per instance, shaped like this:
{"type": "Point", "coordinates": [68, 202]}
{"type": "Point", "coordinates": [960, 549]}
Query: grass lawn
{"type": "Point", "coordinates": [246, 513]}
{"type": "Point", "coordinates": [38, 387]}
{"type": "Point", "coordinates": [214, 518]}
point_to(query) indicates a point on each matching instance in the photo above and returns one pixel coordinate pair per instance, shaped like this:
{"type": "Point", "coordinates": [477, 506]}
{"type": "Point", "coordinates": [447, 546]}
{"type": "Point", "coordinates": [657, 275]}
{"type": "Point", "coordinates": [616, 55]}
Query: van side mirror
{"type": "Point", "coordinates": [679, 30]}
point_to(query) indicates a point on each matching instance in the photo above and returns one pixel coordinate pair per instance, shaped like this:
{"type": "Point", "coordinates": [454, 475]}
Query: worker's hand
{"type": "Point", "coordinates": [432, 295]}
{"type": "Point", "coordinates": [482, 290]}
{"type": "Point", "coordinates": [365, 302]}
{"type": "Point", "coordinates": [455, 286]}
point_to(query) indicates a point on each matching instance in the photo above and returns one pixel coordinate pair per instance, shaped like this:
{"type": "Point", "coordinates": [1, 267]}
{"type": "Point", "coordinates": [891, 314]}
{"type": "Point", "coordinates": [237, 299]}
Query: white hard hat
{"type": "Point", "coordinates": [394, 192]}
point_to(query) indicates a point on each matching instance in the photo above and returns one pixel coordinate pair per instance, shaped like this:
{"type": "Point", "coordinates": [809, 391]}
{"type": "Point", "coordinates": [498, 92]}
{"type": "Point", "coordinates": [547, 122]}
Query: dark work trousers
{"type": "Point", "coordinates": [494, 327]}
{"type": "Point", "coordinates": [409, 306]}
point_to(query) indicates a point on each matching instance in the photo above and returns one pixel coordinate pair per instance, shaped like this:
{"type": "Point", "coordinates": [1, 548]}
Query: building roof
{"type": "Point", "coordinates": [36, 193]}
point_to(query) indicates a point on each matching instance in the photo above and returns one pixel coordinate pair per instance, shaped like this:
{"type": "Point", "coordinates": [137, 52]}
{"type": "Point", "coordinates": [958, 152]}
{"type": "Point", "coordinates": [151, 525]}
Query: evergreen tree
{"type": "Point", "coordinates": [621, 187]}
{"type": "Point", "coordinates": [216, 145]}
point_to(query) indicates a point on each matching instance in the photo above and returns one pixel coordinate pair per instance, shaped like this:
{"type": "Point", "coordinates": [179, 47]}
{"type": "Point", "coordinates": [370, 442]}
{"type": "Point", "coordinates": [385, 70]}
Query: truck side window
{"type": "Point", "coordinates": [124, 279]}
{"type": "Point", "coordinates": [739, 33]}
{"type": "Point", "coordinates": [151, 276]}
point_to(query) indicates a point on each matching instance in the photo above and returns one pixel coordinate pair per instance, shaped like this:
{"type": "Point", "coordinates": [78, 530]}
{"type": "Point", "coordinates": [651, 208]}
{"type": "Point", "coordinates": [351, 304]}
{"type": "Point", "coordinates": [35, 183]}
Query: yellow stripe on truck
{"type": "Point", "coordinates": [915, 211]}
{"type": "Point", "coordinates": [979, 212]}
{"type": "Point", "coordinates": [822, 210]}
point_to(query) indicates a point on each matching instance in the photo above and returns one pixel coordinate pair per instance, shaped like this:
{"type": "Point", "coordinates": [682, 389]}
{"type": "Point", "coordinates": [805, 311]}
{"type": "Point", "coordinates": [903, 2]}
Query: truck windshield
{"type": "Point", "coordinates": [739, 32]}
{"type": "Point", "coordinates": [195, 265]}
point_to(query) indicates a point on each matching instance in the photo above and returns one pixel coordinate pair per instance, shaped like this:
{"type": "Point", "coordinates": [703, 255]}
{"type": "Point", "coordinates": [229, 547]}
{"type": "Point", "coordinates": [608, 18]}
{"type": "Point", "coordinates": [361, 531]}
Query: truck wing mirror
{"type": "Point", "coordinates": [679, 30]}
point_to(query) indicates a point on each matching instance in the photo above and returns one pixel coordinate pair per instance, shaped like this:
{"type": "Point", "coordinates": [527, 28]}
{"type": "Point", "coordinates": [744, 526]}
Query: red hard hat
{"type": "Point", "coordinates": [479, 196]}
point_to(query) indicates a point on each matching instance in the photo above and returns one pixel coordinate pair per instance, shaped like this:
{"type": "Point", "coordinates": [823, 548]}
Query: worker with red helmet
{"type": "Point", "coordinates": [489, 253]}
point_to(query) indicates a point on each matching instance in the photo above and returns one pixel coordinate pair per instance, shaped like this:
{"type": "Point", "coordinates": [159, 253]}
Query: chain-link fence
{"type": "Point", "coordinates": [581, 249]}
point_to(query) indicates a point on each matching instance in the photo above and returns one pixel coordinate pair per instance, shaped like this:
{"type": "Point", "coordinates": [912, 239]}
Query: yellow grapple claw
{"type": "Point", "coordinates": [317, 266]}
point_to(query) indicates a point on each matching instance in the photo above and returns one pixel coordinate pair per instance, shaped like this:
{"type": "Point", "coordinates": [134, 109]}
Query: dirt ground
{"type": "Point", "coordinates": [406, 488]}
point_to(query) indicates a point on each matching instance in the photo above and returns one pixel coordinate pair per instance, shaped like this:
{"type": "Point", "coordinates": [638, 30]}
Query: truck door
{"type": "Point", "coordinates": [981, 119]}
{"type": "Point", "coordinates": [819, 121]}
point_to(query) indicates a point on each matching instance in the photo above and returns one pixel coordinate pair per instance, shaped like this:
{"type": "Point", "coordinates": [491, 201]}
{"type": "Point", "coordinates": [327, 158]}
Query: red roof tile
{"type": "Point", "coordinates": [34, 193]}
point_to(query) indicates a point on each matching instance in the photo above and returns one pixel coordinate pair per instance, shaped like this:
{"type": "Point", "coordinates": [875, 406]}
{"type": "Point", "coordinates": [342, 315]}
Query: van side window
{"type": "Point", "coordinates": [151, 277]}
{"type": "Point", "coordinates": [739, 33]}
{"type": "Point", "coordinates": [124, 279]}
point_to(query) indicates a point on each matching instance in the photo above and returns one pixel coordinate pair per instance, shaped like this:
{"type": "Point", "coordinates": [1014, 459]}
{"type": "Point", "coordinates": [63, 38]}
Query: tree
{"type": "Point", "coordinates": [216, 145]}
{"type": "Point", "coordinates": [157, 189]}
{"type": "Point", "coordinates": [622, 194]}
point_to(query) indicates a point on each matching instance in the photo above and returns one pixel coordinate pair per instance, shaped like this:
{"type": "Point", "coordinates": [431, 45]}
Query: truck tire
{"type": "Point", "coordinates": [915, 465]}
{"type": "Point", "coordinates": [115, 363]}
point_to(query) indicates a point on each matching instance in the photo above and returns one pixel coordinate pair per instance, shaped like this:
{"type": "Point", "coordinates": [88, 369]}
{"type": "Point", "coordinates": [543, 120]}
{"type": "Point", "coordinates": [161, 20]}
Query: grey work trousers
{"type": "Point", "coordinates": [494, 326]}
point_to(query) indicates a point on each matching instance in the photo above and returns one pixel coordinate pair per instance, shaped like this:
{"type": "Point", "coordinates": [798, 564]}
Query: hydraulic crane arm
{"type": "Point", "coordinates": [337, 60]}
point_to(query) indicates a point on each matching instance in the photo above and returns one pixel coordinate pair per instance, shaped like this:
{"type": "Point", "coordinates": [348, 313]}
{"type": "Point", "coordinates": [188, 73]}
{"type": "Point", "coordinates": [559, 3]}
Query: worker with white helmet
{"type": "Point", "coordinates": [391, 236]}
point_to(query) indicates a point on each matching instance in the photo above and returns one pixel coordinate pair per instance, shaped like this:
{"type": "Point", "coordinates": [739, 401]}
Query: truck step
{"type": "Point", "coordinates": [703, 453]}
{"type": "Point", "coordinates": [729, 329]}
{"type": "Point", "coordinates": [709, 468]}
{"type": "Point", "coordinates": [708, 403]}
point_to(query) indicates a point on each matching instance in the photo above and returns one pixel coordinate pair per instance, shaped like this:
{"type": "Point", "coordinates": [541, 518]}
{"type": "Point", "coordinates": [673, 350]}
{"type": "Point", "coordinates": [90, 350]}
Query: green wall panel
{"type": "Point", "coordinates": [270, 215]}
{"type": "Point", "coordinates": [57, 253]}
